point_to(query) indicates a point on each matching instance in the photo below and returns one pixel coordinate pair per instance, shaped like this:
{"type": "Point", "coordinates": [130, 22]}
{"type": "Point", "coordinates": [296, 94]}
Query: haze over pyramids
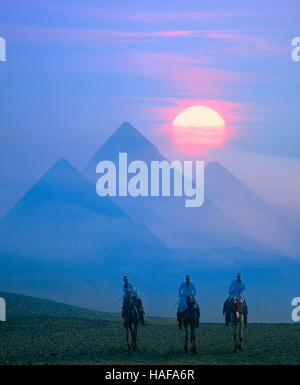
{"type": "Point", "coordinates": [62, 231]}
{"type": "Point", "coordinates": [225, 220]}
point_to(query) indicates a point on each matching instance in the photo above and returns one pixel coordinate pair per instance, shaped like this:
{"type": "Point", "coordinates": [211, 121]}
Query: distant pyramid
{"type": "Point", "coordinates": [61, 219]}
{"type": "Point", "coordinates": [248, 211]}
{"type": "Point", "coordinates": [125, 139]}
{"type": "Point", "coordinates": [127, 136]}
{"type": "Point", "coordinates": [167, 217]}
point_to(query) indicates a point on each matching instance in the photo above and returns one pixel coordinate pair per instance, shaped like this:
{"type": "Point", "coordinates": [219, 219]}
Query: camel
{"type": "Point", "coordinates": [237, 323]}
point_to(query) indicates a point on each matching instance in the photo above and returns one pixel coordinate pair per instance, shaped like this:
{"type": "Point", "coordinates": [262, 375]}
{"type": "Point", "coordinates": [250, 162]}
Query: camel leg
{"type": "Point", "coordinates": [186, 339]}
{"type": "Point", "coordinates": [193, 339]}
{"type": "Point", "coordinates": [236, 332]}
{"type": "Point", "coordinates": [241, 334]}
{"type": "Point", "coordinates": [235, 336]}
{"type": "Point", "coordinates": [127, 337]}
{"type": "Point", "coordinates": [134, 337]}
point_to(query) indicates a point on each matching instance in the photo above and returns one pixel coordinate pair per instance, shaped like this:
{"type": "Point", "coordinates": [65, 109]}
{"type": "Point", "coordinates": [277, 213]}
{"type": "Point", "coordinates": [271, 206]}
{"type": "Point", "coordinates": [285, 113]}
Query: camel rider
{"type": "Point", "coordinates": [186, 289]}
{"type": "Point", "coordinates": [128, 287]}
{"type": "Point", "coordinates": [236, 289]}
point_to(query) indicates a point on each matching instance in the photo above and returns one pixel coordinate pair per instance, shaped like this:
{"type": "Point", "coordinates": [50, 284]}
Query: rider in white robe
{"type": "Point", "coordinates": [185, 289]}
{"type": "Point", "coordinates": [237, 289]}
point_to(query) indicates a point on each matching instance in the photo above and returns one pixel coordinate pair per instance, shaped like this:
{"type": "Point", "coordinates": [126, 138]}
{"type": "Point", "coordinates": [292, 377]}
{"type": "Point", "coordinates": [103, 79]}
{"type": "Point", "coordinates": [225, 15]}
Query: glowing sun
{"type": "Point", "coordinates": [197, 129]}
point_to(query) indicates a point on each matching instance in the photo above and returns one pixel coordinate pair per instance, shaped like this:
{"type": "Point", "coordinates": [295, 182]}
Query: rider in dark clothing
{"type": "Point", "coordinates": [128, 287]}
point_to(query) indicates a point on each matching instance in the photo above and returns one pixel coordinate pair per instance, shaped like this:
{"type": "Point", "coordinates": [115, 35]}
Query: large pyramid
{"type": "Point", "coordinates": [61, 219]}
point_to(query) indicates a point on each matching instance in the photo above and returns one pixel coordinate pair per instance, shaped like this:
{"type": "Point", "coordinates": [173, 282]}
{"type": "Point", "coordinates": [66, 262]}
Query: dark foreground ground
{"type": "Point", "coordinates": [71, 341]}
